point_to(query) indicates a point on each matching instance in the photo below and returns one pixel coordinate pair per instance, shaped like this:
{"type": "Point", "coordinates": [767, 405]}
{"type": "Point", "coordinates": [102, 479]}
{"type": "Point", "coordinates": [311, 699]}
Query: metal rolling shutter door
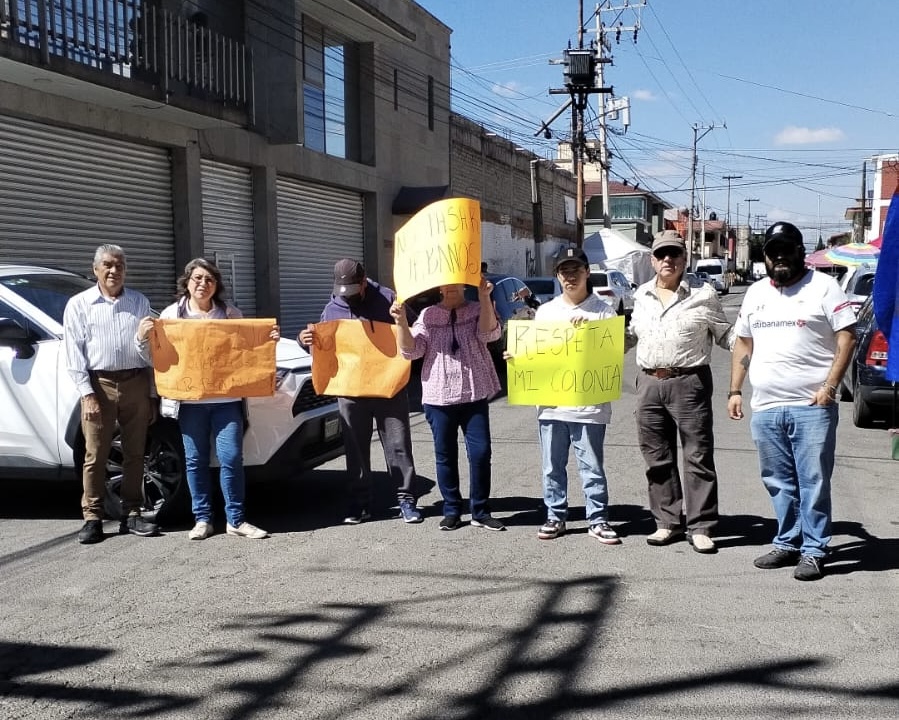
{"type": "Point", "coordinates": [229, 230]}
{"type": "Point", "coordinates": [64, 192]}
{"type": "Point", "coordinates": [317, 226]}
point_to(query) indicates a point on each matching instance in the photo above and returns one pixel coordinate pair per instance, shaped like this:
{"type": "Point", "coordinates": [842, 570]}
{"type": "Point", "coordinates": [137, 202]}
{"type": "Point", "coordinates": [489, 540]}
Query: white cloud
{"type": "Point", "coordinates": [643, 95]}
{"type": "Point", "coordinates": [509, 89]}
{"type": "Point", "coordinates": [792, 135]}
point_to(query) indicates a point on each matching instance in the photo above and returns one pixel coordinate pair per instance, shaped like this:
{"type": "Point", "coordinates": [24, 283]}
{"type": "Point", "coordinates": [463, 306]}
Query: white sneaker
{"type": "Point", "coordinates": [246, 530]}
{"type": "Point", "coordinates": [200, 531]}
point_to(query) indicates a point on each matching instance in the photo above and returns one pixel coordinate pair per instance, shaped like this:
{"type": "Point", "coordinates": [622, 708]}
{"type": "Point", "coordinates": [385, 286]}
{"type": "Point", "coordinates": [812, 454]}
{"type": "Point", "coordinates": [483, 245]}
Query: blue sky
{"type": "Point", "coordinates": [807, 90]}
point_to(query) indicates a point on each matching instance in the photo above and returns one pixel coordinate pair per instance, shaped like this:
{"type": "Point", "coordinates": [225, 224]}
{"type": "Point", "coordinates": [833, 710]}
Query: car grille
{"type": "Point", "coordinates": [307, 399]}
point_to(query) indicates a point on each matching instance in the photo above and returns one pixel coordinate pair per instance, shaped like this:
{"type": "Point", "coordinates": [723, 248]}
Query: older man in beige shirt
{"type": "Point", "coordinates": [674, 326]}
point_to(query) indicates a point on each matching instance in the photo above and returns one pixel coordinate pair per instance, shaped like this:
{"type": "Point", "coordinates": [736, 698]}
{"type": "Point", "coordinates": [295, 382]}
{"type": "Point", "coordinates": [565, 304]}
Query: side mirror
{"type": "Point", "coordinates": [13, 335]}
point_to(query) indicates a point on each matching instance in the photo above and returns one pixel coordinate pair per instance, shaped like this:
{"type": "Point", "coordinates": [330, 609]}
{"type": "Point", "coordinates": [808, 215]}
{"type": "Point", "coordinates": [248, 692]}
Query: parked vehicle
{"type": "Point", "coordinates": [759, 270]}
{"type": "Point", "coordinates": [508, 300]}
{"type": "Point", "coordinates": [543, 288]}
{"type": "Point", "coordinates": [40, 428]}
{"type": "Point", "coordinates": [858, 284]}
{"type": "Point", "coordinates": [614, 287]}
{"type": "Point", "coordinates": [717, 271]}
{"type": "Point", "coordinates": [693, 280]}
{"type": "Point", "coordinates": [864, 382]}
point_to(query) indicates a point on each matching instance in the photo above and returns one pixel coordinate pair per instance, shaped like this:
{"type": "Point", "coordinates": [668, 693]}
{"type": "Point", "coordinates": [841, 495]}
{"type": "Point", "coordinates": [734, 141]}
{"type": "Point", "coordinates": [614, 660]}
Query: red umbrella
{"type": "Point", "coordinates": [818, 260]}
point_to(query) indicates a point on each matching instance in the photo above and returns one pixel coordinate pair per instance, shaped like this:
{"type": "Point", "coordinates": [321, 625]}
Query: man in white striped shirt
{"type": "Point", "coordinates": [114, 381]}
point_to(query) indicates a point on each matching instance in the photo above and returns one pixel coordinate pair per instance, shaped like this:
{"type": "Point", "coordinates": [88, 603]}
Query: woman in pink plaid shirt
{"type": "Point", "coordinates": [457, 380]}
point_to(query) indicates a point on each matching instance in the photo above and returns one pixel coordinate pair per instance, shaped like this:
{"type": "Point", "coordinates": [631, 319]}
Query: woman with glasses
{"type": "Point", "coordinates": [221, 420]}
{"type": "Point", "coordinates": [457, 380]}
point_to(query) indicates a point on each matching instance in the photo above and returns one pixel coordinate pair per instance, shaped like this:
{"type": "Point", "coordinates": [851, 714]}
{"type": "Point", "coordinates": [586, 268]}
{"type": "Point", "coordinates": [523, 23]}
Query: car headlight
{"type": "Point", "coordinates": [280, 376]}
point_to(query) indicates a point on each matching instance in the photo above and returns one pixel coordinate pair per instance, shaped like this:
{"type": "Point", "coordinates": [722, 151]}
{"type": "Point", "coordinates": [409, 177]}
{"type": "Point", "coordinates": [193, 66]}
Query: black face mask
{"type": "Point", "coordinates": [353, 300]}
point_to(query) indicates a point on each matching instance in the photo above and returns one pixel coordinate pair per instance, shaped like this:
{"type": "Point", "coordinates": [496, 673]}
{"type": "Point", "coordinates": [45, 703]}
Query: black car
{"type": "Point", "coordinates": [865, 382]}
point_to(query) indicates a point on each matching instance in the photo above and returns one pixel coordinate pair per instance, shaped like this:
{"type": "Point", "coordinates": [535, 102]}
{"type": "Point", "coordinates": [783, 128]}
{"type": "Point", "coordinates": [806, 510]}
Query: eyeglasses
{"type": "Point", "coordinates": [202, 279]}
{"type": "Point", "coordinates": [671, 252]}
{"type": "Point", "coordinates": [454, 346]}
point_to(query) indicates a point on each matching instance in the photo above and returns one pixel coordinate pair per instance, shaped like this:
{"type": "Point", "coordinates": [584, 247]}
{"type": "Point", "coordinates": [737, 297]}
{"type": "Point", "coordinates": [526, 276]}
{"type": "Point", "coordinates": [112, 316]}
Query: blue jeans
{"type": "Point", "coordinates": [223, 422]}
{"type": "Point", "coordinates": [556, 437]}
{"type": "Point", "coordinates": [474, 420]}
{"type": "Point", "coordinates": [796, 445]}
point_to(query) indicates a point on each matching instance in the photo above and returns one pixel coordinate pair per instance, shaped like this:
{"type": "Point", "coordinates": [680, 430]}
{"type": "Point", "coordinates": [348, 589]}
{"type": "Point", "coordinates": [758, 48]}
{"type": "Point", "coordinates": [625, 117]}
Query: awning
{"type": "Point", "coordinates": [410, 199]}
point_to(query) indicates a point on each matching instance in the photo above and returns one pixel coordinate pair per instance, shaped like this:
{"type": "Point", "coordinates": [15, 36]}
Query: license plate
{"type": "Point", "coordinates": [332, 428]}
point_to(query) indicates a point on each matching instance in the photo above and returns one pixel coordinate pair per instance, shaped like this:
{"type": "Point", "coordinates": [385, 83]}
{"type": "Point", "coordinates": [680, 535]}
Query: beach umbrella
{"type": "Point", "coordinates": [818, 260]}
{"type": "Point", "coordinates": [876, 242]}
{"type": "Point", "coordinates": [852, 254]}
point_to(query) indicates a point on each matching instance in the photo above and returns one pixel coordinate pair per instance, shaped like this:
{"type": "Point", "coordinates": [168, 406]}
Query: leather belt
{"type": "Point", "coordinates": [670, 372]}
{"type": "Point", "coordinates": [117, 375]}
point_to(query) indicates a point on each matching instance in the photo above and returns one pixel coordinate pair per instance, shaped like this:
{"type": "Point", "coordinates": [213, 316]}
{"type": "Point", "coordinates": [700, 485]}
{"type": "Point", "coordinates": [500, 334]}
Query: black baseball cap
{"type": "Point", "coordinates": [571, 254]}
{"type": "Point", "coordinates": [348, 276]}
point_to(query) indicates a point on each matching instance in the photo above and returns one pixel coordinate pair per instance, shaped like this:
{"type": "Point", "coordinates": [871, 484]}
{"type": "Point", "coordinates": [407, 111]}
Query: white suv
{"type": "Point", "coordinates": [40, 430]}
{"type": "Point", "coordinates": [614, 287]}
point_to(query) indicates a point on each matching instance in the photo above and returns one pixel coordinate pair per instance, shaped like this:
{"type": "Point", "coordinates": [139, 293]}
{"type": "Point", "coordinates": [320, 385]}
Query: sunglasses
{"type": "Point", "coordinates": [662, 253]}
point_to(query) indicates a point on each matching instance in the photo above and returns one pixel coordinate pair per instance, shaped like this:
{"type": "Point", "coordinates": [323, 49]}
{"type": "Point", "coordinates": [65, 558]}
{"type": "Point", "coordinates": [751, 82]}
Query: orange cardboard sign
{"type": "Point", "coordinates": [196, 360]}
{"type": "Point", "coordinates": [357, 358]}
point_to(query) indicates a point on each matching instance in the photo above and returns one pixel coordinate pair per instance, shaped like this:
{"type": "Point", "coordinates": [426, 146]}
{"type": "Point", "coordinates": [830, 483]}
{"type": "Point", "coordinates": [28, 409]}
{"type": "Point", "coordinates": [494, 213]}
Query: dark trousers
{"type": "Point", "coordinates": [391, 416]}
{"type": "Point", "coordinates": [474, 420]}
{"type": "Point", "coordinates": [126, 402]}
{"type": "Point", "coordinates": [665, 409]}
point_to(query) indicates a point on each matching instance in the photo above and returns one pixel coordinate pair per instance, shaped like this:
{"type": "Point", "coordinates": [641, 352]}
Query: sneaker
{"type": "Point", "coordinates": [488, 523]}
{"type": "Point", "coordinates": [200, 531]}
{"type": "Point", "coordinates": [551, 529]}
{"type": "Point", "coordinates": [451, 522]}
{"type": "Point", "coordinates": [664, 536]}
{"type": "Point", "coordinates": [702, 543]}
{"type": "Point", "coordinates": [605, 533]}
{"type": "Point", "coordinates": [91, 532]}
{"type": "Point", "coordinates": [777, 558]}
{"type": "Point", "coordinates": [136, 525]}
{"type": "Point", "coordinates": [356, 517]}
{"type": "Point", "coordinates": [246, 530]}
{"type": "Point", "coordinates": [409, 512]}
{"type": "Point", "coordinates": [810, 567]}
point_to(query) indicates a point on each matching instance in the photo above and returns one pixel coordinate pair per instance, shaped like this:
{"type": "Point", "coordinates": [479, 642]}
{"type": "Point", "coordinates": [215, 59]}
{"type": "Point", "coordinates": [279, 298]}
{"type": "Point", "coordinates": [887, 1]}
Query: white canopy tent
{"type": "Point", "coordinates": [610, 249]}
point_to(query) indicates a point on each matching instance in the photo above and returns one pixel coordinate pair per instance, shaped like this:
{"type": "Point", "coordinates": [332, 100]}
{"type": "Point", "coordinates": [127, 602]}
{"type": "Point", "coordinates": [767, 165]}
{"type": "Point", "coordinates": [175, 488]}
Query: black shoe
{"type": "Point", "coordinates": [809, 568]}
{"type": "Point", "coordinates": [91, 532]}
{"type": "Point", "coordinates": [777, 558]}
{"type": "Point", "coordinates": [357, 517]}
{"type": "Point", "coordinates": [451, 522]}
{"type": "Point", "coordinates": [488, 523]}
{"type": "Point", "coordinates": [136, 525]}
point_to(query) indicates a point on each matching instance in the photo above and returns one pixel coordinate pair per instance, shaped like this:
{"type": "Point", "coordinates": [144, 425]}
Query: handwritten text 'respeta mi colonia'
{"type": "Point", "coordinates": [556, 363]}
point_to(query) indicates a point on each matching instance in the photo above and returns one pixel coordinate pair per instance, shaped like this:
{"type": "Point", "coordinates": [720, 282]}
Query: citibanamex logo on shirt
{"type": "Point", "coordinates": [767, 324]}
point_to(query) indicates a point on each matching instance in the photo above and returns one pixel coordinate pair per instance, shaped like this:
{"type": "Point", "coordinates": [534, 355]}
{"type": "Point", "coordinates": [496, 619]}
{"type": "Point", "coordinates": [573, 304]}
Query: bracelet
{"type": "Point", "coordinates": [831, 389]}
{"type": "Point", "coordinates": [731, 393]}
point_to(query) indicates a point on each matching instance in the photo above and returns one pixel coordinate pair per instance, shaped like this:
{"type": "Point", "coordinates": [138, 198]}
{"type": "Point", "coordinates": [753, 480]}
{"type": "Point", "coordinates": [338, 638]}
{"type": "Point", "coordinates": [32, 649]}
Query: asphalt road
{"type": "Point", "coordinates": [387, 620]}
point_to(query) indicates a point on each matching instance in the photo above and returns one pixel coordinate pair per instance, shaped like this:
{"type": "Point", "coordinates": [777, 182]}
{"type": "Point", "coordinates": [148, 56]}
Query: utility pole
{"type": "Point", "coordinates": [731, 251]}
{"type": "Point", "coordinates": [696, 138]}
{"type": "Point", "coordinates": [749, 202]}
{"type": "Point", "coordinates": [580, 82]}
{"type": "Point", "coordinates": [861, 237]}
{"type": "Point", "coordinates": [603, 46]}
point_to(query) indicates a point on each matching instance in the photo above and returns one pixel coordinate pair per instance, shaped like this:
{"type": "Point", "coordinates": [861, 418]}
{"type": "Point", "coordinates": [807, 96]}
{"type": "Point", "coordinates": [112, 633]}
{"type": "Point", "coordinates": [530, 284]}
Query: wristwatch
{"type": "Point", "coordinates": [731, 393]}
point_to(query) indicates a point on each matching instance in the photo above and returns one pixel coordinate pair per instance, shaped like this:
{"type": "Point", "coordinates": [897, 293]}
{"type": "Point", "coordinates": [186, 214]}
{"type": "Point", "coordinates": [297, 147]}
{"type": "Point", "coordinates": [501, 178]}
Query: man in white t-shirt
{"type": "Point", "coordinates": [583, 427]}
{"type": "Point", "coordinates": [796, 333]}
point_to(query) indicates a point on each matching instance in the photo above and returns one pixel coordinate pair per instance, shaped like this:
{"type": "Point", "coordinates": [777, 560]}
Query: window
{"type": "Point", "coordinates": [324, 89]}
{"type": "Point", "coordinates": [628, 208]}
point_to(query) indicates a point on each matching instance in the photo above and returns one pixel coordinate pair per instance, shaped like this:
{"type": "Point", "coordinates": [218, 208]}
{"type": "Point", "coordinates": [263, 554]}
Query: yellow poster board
{"type": "Point", "coordinates": [439, 245]}
{"type": "Point", "coordinates": [357, 358]}
{"type": "Point", "coordinates": [556, 363]}
{"type": "Point", "coordinates": [196, 360]}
